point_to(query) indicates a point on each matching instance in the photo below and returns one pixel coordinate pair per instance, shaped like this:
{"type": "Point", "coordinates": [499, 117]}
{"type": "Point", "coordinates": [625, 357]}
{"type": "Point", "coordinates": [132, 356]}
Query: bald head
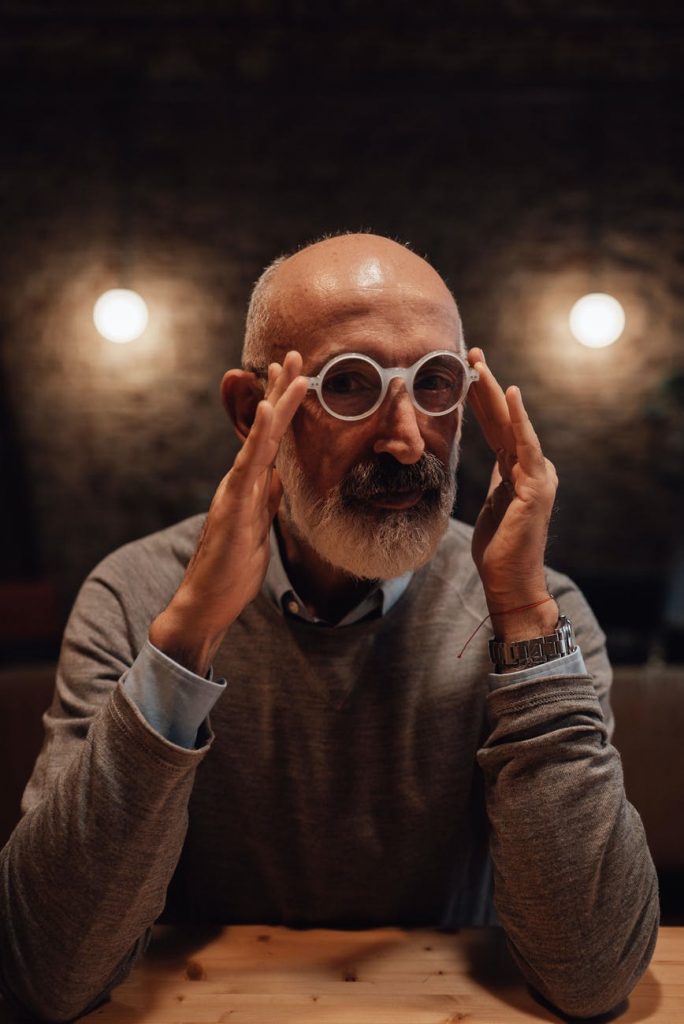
{"type": "Point", "coordinates": [338, 281]}
{"type": "Point", "coordinates": [357, 264]}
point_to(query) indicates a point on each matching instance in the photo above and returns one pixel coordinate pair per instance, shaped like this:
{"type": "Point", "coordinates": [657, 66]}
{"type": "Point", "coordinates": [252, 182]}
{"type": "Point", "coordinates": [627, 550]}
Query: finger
{"type": "Point", "coordinates": [257, 453]}
{"type": "Point", "coordinates": [287, 406]}
{"type": "Point", "coordinates": [280, 377]}
{"type": "Point", "coordinates": [268, 494]}
{"type": "Point", "coordinates": [507, 462]}
{"type": "Point", "coordinates": [292, 366]}
{"type": "Point", "coordinates": [275, 494]}
{"type": "Point", "coordinates": [270, 423]}
{"type": "Point", "coordinates": [483, 399]}
{"type": "Point", "coordinates": [528, 449]}
{"type": "Point", "coordinates": [493, 408]}
{"type": "Point", "coordinates": [501, 498]}
{"type": "Point", "coordinates": [475, 355]}
{"type": "Point", "coordinates": [273, 415]}
{"type": "Point", "coordinates": [494, 480]}
{"type": "Point", "coordinates": [274, 373]}
{"type": "Point", "coordinates": [293, 363]}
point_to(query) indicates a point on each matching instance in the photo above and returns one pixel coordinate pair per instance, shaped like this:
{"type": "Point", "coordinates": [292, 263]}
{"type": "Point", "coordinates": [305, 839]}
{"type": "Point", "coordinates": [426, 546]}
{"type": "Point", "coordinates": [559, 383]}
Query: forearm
{"type": "Point", "coordinates": [86, 871]}
{"type": "Point", "coordinates": [182, 634]}
{"type": "Point", "coordinates": [575, 887]}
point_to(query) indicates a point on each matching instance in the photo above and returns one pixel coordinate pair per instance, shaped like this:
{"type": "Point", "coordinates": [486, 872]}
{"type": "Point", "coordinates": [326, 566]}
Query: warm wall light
{"type": "Point", "coordinates": [120, 315]}
{"type": "Point", "coordinates": [597, 320]}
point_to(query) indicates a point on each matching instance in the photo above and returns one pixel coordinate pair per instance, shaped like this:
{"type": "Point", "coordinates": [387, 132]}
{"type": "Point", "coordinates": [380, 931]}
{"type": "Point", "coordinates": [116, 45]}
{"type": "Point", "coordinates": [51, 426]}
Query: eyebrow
{"type": "Point", "coordinates": [262, 371]}
{"type": "Point", "coordinates": [372, 353]}
{"type": "Point", "coordinates": [326, 357]}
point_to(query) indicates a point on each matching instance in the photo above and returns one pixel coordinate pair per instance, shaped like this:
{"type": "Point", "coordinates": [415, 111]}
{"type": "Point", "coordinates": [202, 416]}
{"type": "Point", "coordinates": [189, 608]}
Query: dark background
{"type": "Point", "coordinates": [532, 150]}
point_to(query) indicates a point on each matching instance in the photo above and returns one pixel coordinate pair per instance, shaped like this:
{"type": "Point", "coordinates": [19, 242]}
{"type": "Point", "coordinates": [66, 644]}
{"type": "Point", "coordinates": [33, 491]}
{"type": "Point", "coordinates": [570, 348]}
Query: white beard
{"type": "Point", "coordinates": [368, 544]}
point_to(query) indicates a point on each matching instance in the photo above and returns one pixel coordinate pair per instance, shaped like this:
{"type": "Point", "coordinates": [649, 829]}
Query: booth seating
{"type": "Point", "coordinates": [649, 709]}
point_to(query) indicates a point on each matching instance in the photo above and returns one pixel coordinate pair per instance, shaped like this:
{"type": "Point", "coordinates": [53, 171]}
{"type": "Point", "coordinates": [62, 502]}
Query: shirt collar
{"type": "Point", "coordinates": [278, 588]}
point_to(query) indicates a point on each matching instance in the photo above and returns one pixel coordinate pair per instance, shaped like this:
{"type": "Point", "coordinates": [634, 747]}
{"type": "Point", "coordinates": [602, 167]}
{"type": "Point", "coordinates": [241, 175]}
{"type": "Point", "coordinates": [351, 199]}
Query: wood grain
{"type": "Point", "coordinates": [257, 975]}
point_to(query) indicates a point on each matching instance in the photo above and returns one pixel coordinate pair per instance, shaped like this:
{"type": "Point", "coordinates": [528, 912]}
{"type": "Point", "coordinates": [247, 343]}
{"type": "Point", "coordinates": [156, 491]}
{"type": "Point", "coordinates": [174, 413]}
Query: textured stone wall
{"type": "Point", "coordinates": [526, 176]}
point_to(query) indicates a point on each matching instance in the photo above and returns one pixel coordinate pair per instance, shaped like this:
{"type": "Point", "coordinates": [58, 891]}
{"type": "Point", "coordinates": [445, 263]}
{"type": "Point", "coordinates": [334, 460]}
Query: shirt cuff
{"type": "Point", "coordinates": [568, 665]}
{"type": "Point", "coordinates": [173, 700]}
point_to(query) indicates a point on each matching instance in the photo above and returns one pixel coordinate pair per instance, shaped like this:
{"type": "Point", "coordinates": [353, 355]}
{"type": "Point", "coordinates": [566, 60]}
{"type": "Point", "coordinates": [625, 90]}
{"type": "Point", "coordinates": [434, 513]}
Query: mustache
{"type": "Point", "coordinates": [385, 475]}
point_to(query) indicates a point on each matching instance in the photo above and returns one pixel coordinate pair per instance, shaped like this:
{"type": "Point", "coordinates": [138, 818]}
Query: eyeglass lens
{"type": "Point", "coordinates": [351, 387]}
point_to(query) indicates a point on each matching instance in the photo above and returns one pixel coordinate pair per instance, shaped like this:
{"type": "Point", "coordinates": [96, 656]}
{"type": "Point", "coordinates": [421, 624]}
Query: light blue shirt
{"type": "Point", "coordinates": [378, 601]}
{"type": "Point", "coordinates": [175, 701]}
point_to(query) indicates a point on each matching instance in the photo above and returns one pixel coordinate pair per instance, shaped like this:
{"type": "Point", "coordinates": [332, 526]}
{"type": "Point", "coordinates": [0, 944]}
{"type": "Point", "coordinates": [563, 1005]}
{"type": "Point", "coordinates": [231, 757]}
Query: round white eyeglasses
{"type": "Point", "coordinates": [351, 386]}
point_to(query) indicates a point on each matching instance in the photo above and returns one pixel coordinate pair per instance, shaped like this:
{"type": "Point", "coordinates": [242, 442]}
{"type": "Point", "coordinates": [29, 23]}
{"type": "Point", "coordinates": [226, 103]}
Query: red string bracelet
{"type": "Point", "coordinates": [506, 611]}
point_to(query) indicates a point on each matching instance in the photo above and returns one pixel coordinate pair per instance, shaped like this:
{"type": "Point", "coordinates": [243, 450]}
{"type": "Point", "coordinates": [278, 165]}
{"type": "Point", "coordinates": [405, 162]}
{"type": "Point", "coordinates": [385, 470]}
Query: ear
{"type": "Point", "coordinates": [241, 392]}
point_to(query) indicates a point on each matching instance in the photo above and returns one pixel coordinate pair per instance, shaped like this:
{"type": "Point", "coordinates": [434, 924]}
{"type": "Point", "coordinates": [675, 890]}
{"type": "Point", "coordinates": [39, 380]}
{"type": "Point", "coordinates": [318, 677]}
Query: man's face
{"type": "Point", "coordinates": [370, 496]}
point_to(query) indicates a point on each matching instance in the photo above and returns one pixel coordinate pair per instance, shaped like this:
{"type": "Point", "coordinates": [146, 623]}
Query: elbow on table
{"type": "Point", "coordinates": [51, 1008]}
{"type": "Point", "coordinates": [55, 1001]}
{"type": "Point", "coordinates": [598, 987]}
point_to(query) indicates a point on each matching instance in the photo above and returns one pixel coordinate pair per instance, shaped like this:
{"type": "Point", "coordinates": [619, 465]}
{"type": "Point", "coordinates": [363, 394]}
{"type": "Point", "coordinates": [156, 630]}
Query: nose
{"type": "Point", "coordinates": [398, 432]}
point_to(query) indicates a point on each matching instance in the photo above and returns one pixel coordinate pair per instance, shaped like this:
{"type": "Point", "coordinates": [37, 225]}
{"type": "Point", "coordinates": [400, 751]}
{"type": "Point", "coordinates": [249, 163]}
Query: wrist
{"type": "Point", "coordinates": [524, 620]}
{"type": "Point", "coordinates": [510, 656]}
{"type": "Point", "coordinates": [183, 637]}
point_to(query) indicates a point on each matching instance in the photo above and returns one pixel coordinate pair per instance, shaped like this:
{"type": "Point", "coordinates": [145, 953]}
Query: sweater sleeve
{"type": "Point", "coordinates": [172, 699]}
{"type": "Point", "coordinates": [85, 873]}
{"type": "Point", "coordinates": [574, 885]}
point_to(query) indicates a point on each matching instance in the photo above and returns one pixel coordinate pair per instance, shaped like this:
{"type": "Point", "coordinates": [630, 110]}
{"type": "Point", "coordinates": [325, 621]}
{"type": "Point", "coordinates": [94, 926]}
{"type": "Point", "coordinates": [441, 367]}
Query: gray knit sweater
{"type": "Point", "coordinates": [352, 777]}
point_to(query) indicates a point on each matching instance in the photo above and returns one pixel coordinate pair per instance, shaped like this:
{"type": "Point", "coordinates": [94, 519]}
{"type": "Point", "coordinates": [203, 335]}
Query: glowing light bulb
{"type": "Point", "coordinates": [120, 315]}
{"type": "Point", "coordinates": [597, 320]}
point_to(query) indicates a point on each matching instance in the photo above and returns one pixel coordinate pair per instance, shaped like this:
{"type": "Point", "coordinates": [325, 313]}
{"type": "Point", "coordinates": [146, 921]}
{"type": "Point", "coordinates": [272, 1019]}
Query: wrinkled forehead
{"type": "Point", "coordinates": [323, 316]}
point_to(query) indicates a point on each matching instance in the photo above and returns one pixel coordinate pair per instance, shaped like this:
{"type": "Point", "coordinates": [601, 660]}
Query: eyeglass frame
{"type": "Point", "coordinates": [386, 374]}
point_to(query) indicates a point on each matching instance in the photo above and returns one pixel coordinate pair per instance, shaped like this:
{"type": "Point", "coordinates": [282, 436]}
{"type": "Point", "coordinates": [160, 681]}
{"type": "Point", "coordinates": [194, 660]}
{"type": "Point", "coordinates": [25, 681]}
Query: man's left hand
{"type": "Point", "coordinates": [512, 528]}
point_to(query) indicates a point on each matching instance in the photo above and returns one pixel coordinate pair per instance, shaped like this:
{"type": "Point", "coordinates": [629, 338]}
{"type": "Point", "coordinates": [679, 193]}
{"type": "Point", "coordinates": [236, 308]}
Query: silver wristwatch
{"type": "Point", "coordinates": [539, 650]}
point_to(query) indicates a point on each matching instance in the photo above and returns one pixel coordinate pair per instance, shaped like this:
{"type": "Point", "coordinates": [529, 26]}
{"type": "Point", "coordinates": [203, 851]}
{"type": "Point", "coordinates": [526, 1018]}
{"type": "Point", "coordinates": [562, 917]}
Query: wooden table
{"type": "Point", "coordinates": [258, 975]}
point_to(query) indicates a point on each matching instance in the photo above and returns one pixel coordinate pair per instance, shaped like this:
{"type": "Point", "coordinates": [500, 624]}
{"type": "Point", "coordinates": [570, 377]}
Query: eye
{"type": "Point", "coordinates": [347, 382]}
{"type": "Point", "coordinates": [435, 381]}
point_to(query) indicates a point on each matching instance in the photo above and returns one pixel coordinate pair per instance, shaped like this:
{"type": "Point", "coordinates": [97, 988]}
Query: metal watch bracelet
{"type": "Point", "coordinates": [537, 651]}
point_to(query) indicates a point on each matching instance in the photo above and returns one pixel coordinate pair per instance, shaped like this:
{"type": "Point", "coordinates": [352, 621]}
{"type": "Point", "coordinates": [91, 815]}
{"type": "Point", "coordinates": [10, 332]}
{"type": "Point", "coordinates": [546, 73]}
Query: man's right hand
{"type": "Point", "coordinates": [228, 566]}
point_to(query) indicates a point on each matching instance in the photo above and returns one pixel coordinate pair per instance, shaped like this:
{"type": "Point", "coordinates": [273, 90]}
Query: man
{"type": "Point", "coordinates": [364, 766]}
